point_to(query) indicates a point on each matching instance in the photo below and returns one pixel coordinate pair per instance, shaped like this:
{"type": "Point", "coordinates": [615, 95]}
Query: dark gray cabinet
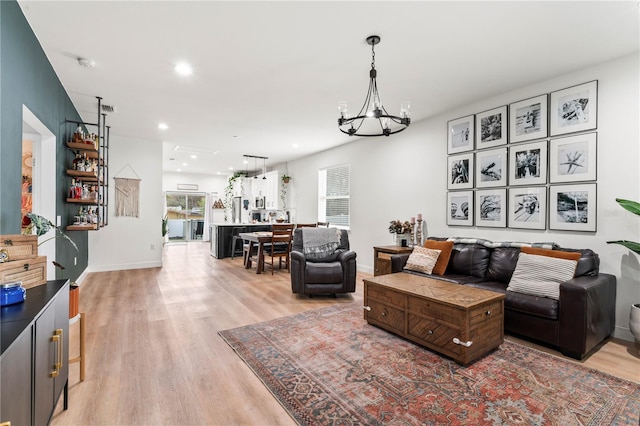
{"type": "Point", "coordinates": [222, 237]}
{"type": "Point", "coordinates": [35, 353]}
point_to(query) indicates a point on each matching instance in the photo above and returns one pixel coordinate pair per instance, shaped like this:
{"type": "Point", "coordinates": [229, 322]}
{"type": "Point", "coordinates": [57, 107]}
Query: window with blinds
{"type": "Point", "coordinates": [333, 195]}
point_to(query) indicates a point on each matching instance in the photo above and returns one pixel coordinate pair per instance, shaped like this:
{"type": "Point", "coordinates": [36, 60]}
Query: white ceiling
{"type": "Point", "coordinates": [268, 75]}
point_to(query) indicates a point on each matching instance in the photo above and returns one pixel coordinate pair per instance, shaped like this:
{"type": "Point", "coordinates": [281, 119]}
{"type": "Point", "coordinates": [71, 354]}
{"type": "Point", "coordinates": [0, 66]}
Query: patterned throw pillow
{"type": "Point", "coordinates": [541, 275]}
{"type": "Point", "coordinates": [422, 259]}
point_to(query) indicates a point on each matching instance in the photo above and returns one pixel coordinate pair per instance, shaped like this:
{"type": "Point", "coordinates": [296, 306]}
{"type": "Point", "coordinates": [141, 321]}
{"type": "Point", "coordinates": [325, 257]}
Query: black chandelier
{"type": "Point", "coordinates": [378, 120]}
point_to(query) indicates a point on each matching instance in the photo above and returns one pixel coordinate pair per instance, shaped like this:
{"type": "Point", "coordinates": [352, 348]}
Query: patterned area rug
{"type": "Point", "coordinates": [329, 367]}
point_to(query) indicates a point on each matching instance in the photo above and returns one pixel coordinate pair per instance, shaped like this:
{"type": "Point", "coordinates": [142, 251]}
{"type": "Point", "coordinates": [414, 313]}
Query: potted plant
{"type": "Point", "coordinates": [285, 178]}
{"type": "Point", "coordinates": [634, 316]}
{"type": "Point", "coordinates": [402, 231]}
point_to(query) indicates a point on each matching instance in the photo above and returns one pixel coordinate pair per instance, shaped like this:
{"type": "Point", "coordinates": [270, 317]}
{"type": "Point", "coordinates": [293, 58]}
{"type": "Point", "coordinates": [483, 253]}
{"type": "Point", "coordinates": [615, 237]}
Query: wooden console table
{"type": "Point", "coordinates": [455, 320]}
{"type": "Point", "coordinates": [382, 258]}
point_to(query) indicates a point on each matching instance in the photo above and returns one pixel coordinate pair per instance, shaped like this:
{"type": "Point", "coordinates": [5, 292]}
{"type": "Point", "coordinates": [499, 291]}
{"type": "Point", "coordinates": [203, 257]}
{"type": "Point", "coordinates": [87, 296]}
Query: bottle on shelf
{"type": "Point", "coordinates": [76, 160]}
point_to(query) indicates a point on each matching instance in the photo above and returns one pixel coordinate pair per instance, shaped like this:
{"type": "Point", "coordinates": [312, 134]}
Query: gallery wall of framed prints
{"type": "Point", "coordinates": [531, 164]}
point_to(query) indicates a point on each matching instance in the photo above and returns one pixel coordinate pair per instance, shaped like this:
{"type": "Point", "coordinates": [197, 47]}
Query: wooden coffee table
{"type": "Point", "coordinates": [455, 320]}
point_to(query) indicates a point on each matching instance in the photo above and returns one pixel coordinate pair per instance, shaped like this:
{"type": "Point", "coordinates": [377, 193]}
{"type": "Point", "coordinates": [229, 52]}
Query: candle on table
{"type": "Point", "coordinates": [419, 216]}
{"type": "Point", "coordinates": [413, 220]}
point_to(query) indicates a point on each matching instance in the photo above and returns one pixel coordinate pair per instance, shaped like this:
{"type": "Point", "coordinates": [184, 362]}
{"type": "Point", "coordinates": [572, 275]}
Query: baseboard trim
{"type": "Point", "coordinates": [124, 266]}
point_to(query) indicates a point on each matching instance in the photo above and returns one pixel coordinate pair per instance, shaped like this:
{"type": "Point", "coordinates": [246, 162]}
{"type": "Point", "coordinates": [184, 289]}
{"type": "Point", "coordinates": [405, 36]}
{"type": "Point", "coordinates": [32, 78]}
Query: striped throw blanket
{"type": "Point", "coordinates": [492, 244]}
{"type": "Point", "coordinates": [319, 243]}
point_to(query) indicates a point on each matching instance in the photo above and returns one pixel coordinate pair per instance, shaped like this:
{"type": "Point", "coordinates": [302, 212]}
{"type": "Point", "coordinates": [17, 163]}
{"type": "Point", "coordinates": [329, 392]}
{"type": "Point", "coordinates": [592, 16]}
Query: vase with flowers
{"type": "Point", "coordinates": [402, 231]}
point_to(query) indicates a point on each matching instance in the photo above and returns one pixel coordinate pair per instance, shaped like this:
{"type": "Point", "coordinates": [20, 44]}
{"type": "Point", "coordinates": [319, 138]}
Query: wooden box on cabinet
{"type": "Point", "coordinates": [382, 258]}
{"type": "Point", "coordinates": [32, 272]}
{"type": "Point", "coordinates": [19, 246]}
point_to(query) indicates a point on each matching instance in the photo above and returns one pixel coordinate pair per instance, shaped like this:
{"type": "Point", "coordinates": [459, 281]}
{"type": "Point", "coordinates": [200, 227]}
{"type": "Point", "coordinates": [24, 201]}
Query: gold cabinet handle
{"type": "Point", "coordinates": [60, 332]}
{"type": "Point", "coordinates": [56, 371]}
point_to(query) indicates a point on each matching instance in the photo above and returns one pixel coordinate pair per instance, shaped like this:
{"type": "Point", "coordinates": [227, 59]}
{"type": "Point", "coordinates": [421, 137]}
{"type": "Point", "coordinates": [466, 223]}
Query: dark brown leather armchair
{"type": "Point", "coordinates": [333, 274]}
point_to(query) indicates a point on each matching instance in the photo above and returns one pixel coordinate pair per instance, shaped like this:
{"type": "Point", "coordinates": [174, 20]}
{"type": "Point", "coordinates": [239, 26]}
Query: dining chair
{"type": "Point", "coordinates": [306, 225]}
{"type": "Point", "coordinates": [235, 233]}
{"type": "Point", "coordinates": [323, 224]}
{"type": "Point", "coordinates": [280, 246]}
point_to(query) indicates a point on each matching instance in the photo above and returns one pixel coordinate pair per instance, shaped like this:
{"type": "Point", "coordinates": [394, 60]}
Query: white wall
{"type": "Point", "coordinates": [405, 174]}
{"type": "Point", "coordinates": [130, 242]}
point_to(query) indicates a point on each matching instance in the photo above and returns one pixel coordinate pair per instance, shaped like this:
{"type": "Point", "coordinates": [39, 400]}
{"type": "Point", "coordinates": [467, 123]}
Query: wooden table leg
{"type": "Point", "coordinates": [81, 358]}
{"type": "Point", "coordinates": [247, 261]}
{"type": "Point", "coordinates": [260, 267]}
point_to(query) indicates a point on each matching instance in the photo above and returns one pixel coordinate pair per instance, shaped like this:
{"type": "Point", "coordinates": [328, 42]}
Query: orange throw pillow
{"type": "Point", "coordinates": [568, 255]}
{"type": "Point", "coordinates": [445, 248]}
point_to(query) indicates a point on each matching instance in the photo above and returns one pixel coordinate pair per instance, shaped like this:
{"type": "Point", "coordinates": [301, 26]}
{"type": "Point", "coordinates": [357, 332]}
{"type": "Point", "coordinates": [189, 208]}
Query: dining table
{"type": "Point", "coordinates": [259, 239]}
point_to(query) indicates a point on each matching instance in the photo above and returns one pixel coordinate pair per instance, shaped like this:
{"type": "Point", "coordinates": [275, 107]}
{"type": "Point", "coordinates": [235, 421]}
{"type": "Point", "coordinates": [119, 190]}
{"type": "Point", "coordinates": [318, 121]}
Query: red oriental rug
{"type": "Point", "coordinates": [329, 367]}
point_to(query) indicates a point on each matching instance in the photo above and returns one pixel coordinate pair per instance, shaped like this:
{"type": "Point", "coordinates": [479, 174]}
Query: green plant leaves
{"type": "Point", "coordinates": [632, 206]}
{"type": "Point", "coordinates": [634, 247]}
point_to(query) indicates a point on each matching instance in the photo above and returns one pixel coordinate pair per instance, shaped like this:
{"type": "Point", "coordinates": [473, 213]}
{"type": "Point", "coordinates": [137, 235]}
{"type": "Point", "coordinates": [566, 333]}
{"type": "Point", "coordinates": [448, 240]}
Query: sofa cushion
{"type": "Point", "coordinates": [469, 259]}
{"type": "Point", "coordinates": [422, 259]}
{"type": "Point", "coordinates": [541, 275]}
{"type": "Point", "coordinates": [559, 254]}
{"type": "Point", "coordinates": [502, 262]}
{"type": "Point", "coordinates": [532, 305]}
{"type": "Point", "coordinates": [445, 248]}
{"type": "Point", "coordinates": [323, 273]}
{"type": "Point", "coordinates": [588, 264]}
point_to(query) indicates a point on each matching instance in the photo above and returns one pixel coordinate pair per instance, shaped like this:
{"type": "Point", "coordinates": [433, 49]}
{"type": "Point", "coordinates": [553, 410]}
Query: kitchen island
{"type": "Point", "coordinates": [222, 236]}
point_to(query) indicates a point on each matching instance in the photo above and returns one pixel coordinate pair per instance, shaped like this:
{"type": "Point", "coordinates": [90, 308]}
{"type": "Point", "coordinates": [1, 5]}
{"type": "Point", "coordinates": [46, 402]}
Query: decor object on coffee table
{"type": "Point", "coordinates": [328, 366]}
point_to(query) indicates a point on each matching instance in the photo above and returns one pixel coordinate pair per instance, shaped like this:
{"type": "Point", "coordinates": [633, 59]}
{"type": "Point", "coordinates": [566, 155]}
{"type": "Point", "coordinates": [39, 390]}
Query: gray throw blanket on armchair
{"type": "Point", "coordinates": [319, 243]}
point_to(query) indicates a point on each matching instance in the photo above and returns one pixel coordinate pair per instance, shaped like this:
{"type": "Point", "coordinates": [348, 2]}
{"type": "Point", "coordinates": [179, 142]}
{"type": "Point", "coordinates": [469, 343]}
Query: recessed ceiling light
{"type": "Point", "coordinates": [178, 170]}
{"type": "Point", "coordinates": [185, 164]}
{"type": "Point", "coordinates": [295, 145]}
{"type": "Point", "coordinates": [230, 168]}
{"type": "Point", "coordinates": [183, 68]}
{"type": "Point", "coordinates": [194, 156]}
{"type": "Point", "coordinates": [163, 126]}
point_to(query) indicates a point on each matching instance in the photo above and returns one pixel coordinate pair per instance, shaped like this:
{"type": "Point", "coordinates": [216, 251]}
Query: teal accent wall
{"type": "Point", "coordinates": [27, 78]}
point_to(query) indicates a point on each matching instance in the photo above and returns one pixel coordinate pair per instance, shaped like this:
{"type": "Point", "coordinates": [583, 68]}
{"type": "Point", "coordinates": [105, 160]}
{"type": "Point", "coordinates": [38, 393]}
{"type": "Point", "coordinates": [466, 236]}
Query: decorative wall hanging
{"type": "Point", "coordinates": [491, 208]}
{"type": "Point", "coordinates": [574, 109]}
{"type": "Point", "coordinates": [460, 171]}
{"type": "Point", "coordinates": [573, 207]}
{"type": "Point", "coordinates": [528, 164]}
{"type": "Point", "coordinates": [491, 128]}
{"type": "Point", "coordinates": [491, 168]}
{"type": "Point", "coordinates": [528, 119]}
{"type": "Point", "coordinates": [460, 135]}
{"type": "Point", "coordinates": [460, 208]}
{"type": "Point", "coordinates": [127, 194]}
{"type": "Point", "coordinates": [528, 207]}
{"type": "Point", "coordinates": [573, 159]}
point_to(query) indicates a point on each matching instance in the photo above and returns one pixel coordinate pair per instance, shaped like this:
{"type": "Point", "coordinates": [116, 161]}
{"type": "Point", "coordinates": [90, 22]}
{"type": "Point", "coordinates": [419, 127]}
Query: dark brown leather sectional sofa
{"type": "Point", "coordinates": [581, 319]}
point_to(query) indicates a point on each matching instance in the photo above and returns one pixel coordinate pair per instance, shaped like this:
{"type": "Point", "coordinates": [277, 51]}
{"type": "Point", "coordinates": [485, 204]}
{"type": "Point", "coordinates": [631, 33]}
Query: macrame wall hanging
{"type": "Point", "coordinates": [127, 192]}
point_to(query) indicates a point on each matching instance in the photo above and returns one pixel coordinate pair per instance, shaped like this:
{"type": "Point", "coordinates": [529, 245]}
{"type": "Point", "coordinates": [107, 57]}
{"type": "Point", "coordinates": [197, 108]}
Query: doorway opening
{"type": "Point", "coordinates": [39, 159]}
{"type": "Point", "coordinates": [186, 215]}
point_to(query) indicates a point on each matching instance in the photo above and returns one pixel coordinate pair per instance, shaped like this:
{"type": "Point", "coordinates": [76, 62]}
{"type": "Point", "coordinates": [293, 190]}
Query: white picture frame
{"type": "Point", "coordinates": [573, 158]}
{"type": "Point", "coordinates": [460, 208]}
{"type": "Point", "coordinates": [491, 208]}
{"type": "Point", "coordinates": [573, 207]}
{"type": "Point", "coordinates": [460, 135]}
{"type": "Point", "coordinates": [528, 164]}
{"type": "Point", "coordinates": [528, 207]}
{"type": "Point", "coordinates": [460, 169]}
{"type": "Point", "coordinates": [491, 168]}
{"type": "Point", "coordinates": [574, 109]}
{"type": "Point", "coordinates": [528, 119]}
{"type": "Point", "coordinates": [491, 128]}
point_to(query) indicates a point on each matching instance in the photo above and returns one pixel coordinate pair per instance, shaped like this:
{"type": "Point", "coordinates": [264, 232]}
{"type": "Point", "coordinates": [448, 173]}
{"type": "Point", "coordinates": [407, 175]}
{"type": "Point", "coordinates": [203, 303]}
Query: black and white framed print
{"type": "Point", "coordinates": [528, 207]}
{"type": "Point", "coordinates": [528, 119]}
{"type": "Point", "coordinates": [491, 168]}
{"type": "Point", "coordinates": [573, 159]}
{"type": "Point", "coordinates": [491, 128]}
{"type": "Point", "coordinates": [528, 164]}
{"type": "Point", "coordinates": [460, 208]}
{"type": "Point", "coordinates": [574, 109]}
{"type": "Point", "coordinates": [573, 207]}
{"type": "Point", "coordinates": [460, 135]}
{"type": "Point", "coordinates": [491, 208]}
{"type": "Point", "coordinates": [460, 171]}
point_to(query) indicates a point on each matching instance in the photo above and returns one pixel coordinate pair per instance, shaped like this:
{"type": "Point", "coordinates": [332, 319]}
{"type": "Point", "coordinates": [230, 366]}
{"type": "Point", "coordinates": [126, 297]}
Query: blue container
{"type": "Point", "coordinates": [12, 293]}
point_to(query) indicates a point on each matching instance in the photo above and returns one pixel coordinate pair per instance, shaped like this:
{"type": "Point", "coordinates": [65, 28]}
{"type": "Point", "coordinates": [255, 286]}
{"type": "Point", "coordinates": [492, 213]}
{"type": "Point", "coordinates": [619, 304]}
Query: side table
{"type": "Point", "coordinates": [382, 258]}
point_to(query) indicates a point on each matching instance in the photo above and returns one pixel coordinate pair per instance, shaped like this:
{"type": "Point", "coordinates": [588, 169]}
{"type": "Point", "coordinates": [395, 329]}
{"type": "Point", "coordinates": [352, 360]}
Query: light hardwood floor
{"type": "Point", "coordinates": [154, 356]}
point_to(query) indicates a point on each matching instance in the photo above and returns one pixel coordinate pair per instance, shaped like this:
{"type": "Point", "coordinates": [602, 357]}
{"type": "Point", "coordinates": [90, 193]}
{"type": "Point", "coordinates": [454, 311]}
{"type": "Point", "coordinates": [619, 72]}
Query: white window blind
{"type": "Point", "coordinates": [333, 195]}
